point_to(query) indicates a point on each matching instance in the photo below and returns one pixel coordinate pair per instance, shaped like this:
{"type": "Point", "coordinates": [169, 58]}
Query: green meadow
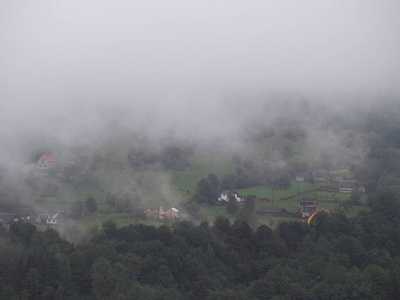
{"type": "Point", "coordinates": [173, 188]}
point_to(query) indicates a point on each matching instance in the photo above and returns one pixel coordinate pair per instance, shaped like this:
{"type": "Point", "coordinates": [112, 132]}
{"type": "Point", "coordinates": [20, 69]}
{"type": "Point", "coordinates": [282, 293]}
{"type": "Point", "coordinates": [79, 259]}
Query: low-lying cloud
{"type": "Point", "coordinates": [73, 70]}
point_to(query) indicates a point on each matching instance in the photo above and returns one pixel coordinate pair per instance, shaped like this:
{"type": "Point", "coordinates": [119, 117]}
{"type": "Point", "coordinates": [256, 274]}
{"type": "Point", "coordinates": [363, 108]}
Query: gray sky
{"type": "Point", "coordinates": [60, 57]}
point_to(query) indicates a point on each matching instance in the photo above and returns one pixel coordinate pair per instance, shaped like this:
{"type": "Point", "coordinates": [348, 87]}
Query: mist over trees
{"type": "Point", "coordinates": [170, 156]}
{"type": "Point", "coordinates": [366, 142]}
{"type": "Point", "coordinates": [130, 95]}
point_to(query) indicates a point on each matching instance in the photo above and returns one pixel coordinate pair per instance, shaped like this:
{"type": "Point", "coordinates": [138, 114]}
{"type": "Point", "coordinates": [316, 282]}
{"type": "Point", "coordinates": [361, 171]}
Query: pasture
{"type": "Point", "coordinates": [172, 188]}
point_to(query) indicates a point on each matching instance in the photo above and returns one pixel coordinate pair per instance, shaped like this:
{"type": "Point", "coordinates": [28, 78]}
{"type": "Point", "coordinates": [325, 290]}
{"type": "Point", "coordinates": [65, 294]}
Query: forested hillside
{"type": "Point", "coordinates": [354, 258]}
{"type": "Point", "coordinates": [199, 149]}
{"type": "Point", "coordinates": [332, 257]}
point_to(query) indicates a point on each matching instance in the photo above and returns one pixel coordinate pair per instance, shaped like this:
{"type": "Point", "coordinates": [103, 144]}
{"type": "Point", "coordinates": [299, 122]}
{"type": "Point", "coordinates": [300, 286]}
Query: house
{"type": "Point", "coordinates": [226, 194]}
{"type": "Point", "coordinates": [321, 175]}
{"type": "Point", "coordinates": [347, 186]}
{"type": "Point", "coordinates": [271, 211]}
{"type": "Point", "coordinates": [307, 201]}
{"type": "Point", "coordinates": [308, 211]}
{"type": "Point", "coordinates": [301, 176]}
{"type": "Point", "coordinates": [154, 211]}
{"type": "Point", "coordinates": [46, 162]}
{"type": "Point", "coordinates": [51, 218]}
{"type": "Point", "coordinates": [27, 214]}
{"type": "Point", "coordinates": [7, 219]}
{"type": "Point", "coordinates": [54, 219]}
{"type": "Point", "coordinates": [171, 214]}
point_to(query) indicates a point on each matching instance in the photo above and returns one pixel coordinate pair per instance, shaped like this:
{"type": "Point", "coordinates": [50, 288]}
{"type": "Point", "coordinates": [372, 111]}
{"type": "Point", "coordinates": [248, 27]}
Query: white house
{"type": "Point", "coordinates": [225, 195]}
{"type": "Point", "coordinates": [52, 220]}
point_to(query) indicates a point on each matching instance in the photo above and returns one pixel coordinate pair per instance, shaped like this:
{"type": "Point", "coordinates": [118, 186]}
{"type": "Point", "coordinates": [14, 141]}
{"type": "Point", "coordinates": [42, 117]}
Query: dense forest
{"type": "Point", "coordinates": [334, 258]}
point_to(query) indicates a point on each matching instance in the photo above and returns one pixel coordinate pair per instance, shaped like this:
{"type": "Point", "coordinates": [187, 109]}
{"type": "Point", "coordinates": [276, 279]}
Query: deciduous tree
{"type": "Point", "coordinates": [91, 204]}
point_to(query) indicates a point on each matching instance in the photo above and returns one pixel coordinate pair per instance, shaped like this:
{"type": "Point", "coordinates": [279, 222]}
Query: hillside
{"type": "Point", "coordinates": [167, 174]}
{"type": "Point", "coordinates": [125, 169]}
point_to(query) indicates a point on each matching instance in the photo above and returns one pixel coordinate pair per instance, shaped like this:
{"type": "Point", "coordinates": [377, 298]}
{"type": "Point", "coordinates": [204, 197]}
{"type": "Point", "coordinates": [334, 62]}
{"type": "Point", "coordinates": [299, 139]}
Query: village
{"type": "Point", "coordinates": [308, 206]}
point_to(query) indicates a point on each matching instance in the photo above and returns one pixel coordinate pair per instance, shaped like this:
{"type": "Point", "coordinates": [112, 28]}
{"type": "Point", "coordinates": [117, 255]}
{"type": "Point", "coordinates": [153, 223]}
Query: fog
{"type": "Point", "coordinates": [69, 70]}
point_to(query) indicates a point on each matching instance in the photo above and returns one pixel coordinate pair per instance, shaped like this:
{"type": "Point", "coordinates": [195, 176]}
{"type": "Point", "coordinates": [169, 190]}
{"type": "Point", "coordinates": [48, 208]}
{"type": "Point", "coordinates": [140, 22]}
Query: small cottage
{"type": "Point", "coordinates": [46, 162]}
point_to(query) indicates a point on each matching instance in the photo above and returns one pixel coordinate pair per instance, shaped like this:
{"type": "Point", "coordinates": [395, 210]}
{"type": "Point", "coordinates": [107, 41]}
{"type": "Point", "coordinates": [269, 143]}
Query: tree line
{"type": "Point", "coordinates": [333, 258]}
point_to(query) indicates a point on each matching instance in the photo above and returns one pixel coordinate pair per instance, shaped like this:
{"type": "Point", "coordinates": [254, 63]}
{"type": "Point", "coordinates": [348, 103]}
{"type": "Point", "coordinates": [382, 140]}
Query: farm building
{"type": "Point", "coordinates": [347, 186]}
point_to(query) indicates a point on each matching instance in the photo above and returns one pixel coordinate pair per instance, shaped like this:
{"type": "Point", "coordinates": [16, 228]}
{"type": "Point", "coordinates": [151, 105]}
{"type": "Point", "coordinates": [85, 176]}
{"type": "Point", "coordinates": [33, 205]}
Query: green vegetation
{"type": "Point", "coordinates": [109, 250]}
{"type": "Point", "coordinates": [134, 184]}
{"type": "Point", "coordinates": [222, 260]}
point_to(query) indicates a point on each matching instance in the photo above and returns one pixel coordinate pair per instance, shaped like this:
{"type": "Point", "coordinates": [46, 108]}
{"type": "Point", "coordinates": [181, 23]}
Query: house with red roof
{"type": "Point", "coordinates": [46, 162]}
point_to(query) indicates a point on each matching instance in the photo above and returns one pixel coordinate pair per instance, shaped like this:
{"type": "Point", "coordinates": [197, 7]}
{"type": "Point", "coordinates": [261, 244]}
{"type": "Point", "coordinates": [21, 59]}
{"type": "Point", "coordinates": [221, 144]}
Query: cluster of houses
{"type": "Point", "coordinates": [29, 215]}
{"type": "Point", "coordinates": [322, 175]}
{"type": "Point", "coordinates": [308, 206]}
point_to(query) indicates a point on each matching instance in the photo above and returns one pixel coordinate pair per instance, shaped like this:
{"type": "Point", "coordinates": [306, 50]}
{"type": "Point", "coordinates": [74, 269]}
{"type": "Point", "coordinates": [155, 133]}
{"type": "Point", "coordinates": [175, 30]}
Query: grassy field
{"type": "Point", "coordinates": [210, 212]}
{"type": "Point", "coordinates": [202, 163]}
{"type": "Point", "coordinates": [66, 195]}
{"type": "Point", "coordinates": [288, 199]}
{"type": "Point", "coordinates": [340, 174]}
{"type": "Point", "coordinates": [171, 188]}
